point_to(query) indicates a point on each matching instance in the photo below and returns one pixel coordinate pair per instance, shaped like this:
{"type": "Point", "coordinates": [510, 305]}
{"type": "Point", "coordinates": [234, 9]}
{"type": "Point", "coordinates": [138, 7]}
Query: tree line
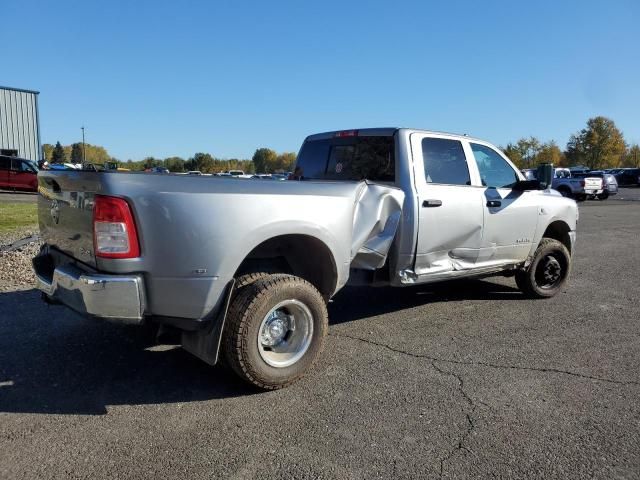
{"type": "Point", "coordinates": [599, 145]}
{"type": "Point", "coordinates": [264, 160]}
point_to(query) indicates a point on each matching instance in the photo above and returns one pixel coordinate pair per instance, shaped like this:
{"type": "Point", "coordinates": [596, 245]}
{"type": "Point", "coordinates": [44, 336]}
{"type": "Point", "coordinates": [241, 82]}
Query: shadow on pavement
{"type": "Point", "coordinates": [54, 361]}
{"type": "Point", "coordinates": [357, 303]}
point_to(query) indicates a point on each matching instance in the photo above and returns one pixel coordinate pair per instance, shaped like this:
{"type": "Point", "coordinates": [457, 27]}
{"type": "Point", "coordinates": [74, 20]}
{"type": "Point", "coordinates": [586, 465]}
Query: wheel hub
{"type": "Point", "coordinates": [275, 329]}
{"type": "Point", "coordinates": [285, 333]}
{"type": "Point", "coordinates": [552, 270]}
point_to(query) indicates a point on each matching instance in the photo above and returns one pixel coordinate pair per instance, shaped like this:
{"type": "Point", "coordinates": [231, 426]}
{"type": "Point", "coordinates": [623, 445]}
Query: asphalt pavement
{"type": "Point", "coordinates": [464, 380]}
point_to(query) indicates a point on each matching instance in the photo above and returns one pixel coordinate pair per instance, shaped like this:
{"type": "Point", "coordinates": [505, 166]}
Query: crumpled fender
{"type": "Point", "coordinates": [376, 217]}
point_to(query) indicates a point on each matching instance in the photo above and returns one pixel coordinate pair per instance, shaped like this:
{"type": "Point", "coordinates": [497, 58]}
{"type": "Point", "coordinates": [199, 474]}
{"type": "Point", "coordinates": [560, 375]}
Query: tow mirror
{"type": "Point", "coordinates": [544, 174]}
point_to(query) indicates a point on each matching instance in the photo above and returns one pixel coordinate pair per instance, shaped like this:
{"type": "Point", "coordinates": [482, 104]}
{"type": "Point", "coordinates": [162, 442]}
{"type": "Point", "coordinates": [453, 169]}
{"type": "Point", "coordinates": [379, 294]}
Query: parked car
{"type": "Point", "coordinates": [628, 177]}
{"type": "Point", "coordinates": [262, 176]}
{"type": "Point", "coordinates": [594, 186]}
{"type": "Point", "coordinates": [245, 269]}
{"type": "Point", "coordinates": [157, 170]}
{"type": "Point", "coordinates": [609, 181]}
{"type": "Point", "coordinates": [194, 172]}
{"type": "Point", "coordinates": [18, 173]}
{"type": "Point", "coordinates": [564, 183]}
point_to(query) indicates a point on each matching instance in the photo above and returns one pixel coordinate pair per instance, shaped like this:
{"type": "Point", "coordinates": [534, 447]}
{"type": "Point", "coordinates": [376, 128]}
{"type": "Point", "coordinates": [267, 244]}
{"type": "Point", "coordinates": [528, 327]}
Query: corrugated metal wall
{"type": "Point", "coordinates": [19, 122]}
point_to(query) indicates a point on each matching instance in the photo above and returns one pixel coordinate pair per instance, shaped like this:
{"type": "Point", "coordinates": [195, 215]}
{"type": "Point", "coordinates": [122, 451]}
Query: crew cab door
{"type": "Point", "coordinates": [510, 216]}
{"type": "Point", "coordinates": [450, 209]}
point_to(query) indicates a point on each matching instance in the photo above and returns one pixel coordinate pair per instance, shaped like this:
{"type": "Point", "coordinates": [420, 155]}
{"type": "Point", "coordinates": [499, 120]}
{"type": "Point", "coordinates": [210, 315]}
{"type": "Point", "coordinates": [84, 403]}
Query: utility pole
{"type": "Point", "coordinates": [84, 158]}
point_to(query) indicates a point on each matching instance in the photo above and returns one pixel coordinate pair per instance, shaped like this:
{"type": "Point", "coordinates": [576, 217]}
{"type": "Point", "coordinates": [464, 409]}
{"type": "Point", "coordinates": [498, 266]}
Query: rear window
{"type": "Point", "coordinates": [351, 158]}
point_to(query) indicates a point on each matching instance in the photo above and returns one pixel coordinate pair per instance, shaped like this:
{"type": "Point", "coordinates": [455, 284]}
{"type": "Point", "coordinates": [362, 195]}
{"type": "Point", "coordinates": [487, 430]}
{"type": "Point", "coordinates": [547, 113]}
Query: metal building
{"type": "Point", "coordinates": [19, 123]}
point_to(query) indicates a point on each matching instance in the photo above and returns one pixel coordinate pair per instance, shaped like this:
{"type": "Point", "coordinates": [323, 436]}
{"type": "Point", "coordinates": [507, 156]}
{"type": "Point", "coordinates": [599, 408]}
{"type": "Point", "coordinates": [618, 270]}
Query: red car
{"type": "Point", "coordinates": [18, 173]}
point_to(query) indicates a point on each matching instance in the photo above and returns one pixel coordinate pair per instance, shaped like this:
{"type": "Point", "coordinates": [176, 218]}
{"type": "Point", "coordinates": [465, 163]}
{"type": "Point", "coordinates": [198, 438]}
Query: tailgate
{"type": "Point", "coordinates": [65, 211]}
{"type": "Point", "coordinates": [593, 183]}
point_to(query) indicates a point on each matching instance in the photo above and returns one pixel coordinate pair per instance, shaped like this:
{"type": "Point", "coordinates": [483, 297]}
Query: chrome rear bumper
{"type": "Point", "coordinates": [112, 297]}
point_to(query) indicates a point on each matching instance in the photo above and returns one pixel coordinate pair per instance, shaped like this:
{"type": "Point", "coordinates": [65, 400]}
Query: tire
{"type": "Point", "coordinates": [603, 196]}
{"type": "Point", "coordinates": [548, 271]}
{"type": "Point", "coordinates": [247, 342]}
{"type": "Point", "coordinates": [248, 279]}
{"type": "Point", "coordinates": [565, 192]}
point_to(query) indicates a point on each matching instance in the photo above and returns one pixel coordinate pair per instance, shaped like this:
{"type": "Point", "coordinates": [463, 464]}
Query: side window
{"type": "Point", "coordinates": [495, 172]}
{"type": "Point", "coordinates": [445, 162]}
{"type": "Point", "coordinates": [5, 163]}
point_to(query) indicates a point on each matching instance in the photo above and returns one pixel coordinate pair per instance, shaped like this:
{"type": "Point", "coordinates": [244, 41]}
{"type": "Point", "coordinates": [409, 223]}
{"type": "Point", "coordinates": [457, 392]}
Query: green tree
{"type": "Point", "coordinates": [203, 162]}
{"type": "Point", "coordinates": [631, 157]}
{"type": "Point", "coordinates": [513, 153]}
{"type": "Point", "coordinates": [285, 162]}
{"type": "Point", "coordinates": [599, 145]}
{"type": "Point", "coordinates": [76, 153]}
{"type": "Point", "coordinates": [551, 153]}
{"type": "Point", "coordinates": [174, 164]}
{"type": "Point", "coordinates": [58, 155]}
{"type": "Point", "coordinates": [264, 159]}
{"type": "Point", "coordinates": [150, 162]}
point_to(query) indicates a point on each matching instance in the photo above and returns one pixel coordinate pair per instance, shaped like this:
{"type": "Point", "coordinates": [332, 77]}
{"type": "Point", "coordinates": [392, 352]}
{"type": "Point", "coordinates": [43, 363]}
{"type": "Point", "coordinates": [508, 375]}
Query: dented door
{"type": "Point", "coordinates": [450, 208]}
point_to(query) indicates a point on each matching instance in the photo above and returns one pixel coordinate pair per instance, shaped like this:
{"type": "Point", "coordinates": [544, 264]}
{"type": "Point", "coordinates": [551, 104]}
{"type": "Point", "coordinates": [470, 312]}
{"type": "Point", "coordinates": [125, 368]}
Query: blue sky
{"type": "Point", "coordinates": [226, 77]}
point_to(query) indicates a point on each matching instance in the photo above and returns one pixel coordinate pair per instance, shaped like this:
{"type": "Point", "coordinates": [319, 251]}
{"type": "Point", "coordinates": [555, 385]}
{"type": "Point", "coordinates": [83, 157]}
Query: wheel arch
{"type": "Point", "coordinates": [298, 254]}
{"type": "Point", "coordinates": [559, 230]}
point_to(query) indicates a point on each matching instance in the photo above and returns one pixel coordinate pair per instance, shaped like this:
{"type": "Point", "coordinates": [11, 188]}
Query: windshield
{"type": "Point", "coordinates": [350, 158]}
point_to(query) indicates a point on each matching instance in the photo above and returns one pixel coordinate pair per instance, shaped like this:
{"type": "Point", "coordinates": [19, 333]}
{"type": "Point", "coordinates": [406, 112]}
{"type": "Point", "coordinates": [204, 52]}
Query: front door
{"type": "Point", "coordinates": [21, 174]}
{"type": "Point", "coordinates": [450, 208]}
{"type": "Point", "coordinates": [510, 216]}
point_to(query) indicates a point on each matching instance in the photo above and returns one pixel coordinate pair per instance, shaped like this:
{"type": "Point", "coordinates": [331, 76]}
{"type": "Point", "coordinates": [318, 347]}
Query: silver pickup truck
{"type": "Point", "coordinates": [244, 269]}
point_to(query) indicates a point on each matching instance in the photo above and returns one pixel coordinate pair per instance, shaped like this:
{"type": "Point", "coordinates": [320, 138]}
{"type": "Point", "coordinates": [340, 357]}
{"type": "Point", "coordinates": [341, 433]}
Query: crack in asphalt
{"type": "Point", "coordinates": [468, 415]}
{"type": "Point", "coordinates": [490, 365]}
{"type": "Point", "coordinates": [460, 444]}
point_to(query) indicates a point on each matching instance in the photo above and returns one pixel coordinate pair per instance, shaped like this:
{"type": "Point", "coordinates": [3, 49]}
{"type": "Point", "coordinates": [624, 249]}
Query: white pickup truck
{"type": "Point", "coordinates": [578, 188]}
{"type": "Point", "coordinates": [244, 269]}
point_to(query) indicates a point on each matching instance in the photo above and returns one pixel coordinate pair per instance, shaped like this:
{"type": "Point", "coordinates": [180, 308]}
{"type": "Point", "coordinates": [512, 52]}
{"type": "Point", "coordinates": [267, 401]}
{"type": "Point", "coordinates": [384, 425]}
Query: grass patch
{"type": "Point", "coordinates": [17, 215]}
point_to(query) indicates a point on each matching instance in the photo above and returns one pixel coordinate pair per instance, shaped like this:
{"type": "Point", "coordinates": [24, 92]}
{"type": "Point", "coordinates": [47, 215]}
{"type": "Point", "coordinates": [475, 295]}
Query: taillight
{"type": "Point", "coordinates": [582, 183]}
{"type": "Point", "coordinates": [114, 231]}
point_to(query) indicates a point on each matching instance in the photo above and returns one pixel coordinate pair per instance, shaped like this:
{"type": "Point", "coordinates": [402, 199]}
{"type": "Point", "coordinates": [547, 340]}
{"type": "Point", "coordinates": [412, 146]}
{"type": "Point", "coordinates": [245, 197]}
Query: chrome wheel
{"type": "Point", "coordinates": [285, 333]}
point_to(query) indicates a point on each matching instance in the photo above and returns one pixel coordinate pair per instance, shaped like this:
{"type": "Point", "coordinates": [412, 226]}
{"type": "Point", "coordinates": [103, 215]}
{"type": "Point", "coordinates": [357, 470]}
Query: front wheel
{"type": "Point", "coordinates": [275, 330]}
{"type": "Point", "coordinates": [548, 271]}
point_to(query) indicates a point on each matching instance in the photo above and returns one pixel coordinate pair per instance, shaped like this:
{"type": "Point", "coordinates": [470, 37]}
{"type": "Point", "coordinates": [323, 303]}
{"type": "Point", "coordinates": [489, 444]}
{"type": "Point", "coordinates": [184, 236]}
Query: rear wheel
{"type": "Point", "coordinates": [603, 196]}
{"type": "Point", "coordinates": [548, 271]}
{"type": "Point", "coordinates": [565, 192]}
{"type": "Point", "coordinates": [275, 330]}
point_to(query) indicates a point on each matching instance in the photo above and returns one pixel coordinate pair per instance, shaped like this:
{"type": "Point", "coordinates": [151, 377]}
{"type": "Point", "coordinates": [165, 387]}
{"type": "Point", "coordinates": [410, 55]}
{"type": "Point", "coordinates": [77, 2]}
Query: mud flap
{"type": "Point", "coordinates": [376, 218]}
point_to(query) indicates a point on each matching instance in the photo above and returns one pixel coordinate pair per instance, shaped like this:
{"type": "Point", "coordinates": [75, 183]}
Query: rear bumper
{"type": "Point", "coordinates": [112, 297]}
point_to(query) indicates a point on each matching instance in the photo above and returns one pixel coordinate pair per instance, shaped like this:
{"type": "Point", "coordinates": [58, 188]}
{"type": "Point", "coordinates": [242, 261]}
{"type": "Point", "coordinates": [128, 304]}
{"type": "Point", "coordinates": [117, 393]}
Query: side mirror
{"type": "Point", "coordinates": [525, 185]}
{"type": "Point", "coordinates": [544, 174]}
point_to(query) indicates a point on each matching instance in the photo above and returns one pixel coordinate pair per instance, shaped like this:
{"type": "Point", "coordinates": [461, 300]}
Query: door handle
{"type": "Point", "coordinates": [432, 203]}
{"type": "Point", "coordinates": [494, 203]}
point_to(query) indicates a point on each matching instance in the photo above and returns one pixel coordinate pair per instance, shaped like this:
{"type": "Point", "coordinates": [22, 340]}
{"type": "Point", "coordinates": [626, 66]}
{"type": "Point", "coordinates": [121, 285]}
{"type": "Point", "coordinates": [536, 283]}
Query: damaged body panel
{"type": "Point", "coordinates": [375, 223]}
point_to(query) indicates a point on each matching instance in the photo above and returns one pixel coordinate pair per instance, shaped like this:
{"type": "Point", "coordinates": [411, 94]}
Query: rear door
{"type": "Point", "coordinates": [510, 216]}
{"type": "Point", "coordinates": [450, 208]}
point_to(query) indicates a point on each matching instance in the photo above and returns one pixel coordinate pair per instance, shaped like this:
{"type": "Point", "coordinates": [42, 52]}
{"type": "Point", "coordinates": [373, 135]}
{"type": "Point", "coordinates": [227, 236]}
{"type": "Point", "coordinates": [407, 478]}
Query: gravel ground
{"type": "Point", "coordinates": [15, 266]}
